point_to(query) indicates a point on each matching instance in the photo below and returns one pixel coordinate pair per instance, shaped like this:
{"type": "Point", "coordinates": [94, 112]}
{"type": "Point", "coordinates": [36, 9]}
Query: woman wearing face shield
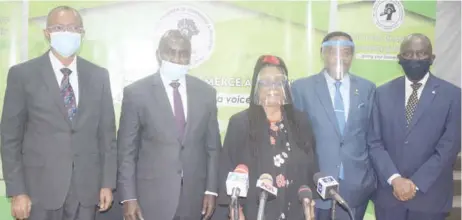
{"type": "Point", "coordinates": [270, 137]}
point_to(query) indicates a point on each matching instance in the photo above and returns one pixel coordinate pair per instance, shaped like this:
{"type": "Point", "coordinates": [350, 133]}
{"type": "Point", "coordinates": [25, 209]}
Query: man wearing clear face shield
{"type": "Point", "coordinates": [338, 104]}
{"type": "Point", "coordinates": [269, 137]}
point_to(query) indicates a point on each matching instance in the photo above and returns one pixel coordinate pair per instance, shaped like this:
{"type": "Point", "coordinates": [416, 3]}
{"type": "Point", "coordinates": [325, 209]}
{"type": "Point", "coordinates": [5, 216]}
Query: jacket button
{"type": "Point", "coordinates": [182, 147]}
{"type": "Point", "coordinates": [406, 142]}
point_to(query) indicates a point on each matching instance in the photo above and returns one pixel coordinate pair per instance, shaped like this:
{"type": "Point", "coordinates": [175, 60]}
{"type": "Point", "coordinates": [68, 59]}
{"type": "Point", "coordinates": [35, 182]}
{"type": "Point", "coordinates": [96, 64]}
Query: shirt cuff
{"type": "Point", "coordinates": [392, 177]}
{"type": "Point", "coordinates": [128, 200]}
{"type": "Point", "coordinates": [211, 193]}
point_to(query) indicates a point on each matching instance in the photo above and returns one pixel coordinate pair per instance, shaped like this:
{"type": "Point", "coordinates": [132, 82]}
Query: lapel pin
{"type": "Point", "coordinates": [433, 92]}
{"type": "Point", "coordinates": [356, 92]}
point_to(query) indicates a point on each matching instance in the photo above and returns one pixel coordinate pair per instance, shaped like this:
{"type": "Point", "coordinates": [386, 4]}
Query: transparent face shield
{"type": "Point", "coordinates": [337, 56]}
{"type": "Point", "coordinates": [271, 89]}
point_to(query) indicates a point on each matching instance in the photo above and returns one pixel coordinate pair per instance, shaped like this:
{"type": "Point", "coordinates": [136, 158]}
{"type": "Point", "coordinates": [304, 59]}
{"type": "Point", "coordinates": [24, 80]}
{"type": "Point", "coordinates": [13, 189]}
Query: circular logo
{"type": "Point", "coordinates": [388, 15]}
{"type": "Point", "coordinates": [193, 24]}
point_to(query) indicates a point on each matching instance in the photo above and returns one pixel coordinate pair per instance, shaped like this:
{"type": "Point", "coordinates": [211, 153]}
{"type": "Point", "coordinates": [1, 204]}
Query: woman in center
{"type": "Point", "coordinates": [270, 137]}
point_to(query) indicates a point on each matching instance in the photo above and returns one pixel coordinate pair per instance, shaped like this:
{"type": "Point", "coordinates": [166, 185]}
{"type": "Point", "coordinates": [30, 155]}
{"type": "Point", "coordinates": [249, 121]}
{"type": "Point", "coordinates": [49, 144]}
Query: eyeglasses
{"type": "Point", "coordinates": [63, 28]}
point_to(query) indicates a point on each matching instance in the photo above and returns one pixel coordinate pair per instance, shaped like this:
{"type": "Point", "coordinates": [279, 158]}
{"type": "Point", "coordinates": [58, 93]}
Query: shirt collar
{"type": "Point", "coordinates": [423, 80]}
{"type": "Point", "coordinates": [57, 65]}
{"type": "Point", "coordinates": [331, 81]}
{"type": "Point", "coordinates": [166, 81]}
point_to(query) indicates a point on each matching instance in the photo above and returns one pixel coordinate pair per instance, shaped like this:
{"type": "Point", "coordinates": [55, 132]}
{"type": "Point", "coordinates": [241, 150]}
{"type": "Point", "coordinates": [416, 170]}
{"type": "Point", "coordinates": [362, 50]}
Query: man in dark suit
{"type": "Point", "coordinates": [415, 138]}
{"type": "Point", "coordinates": [168, 140]}
{"type": "Point", "coordinates": [58, 130]}
{"type": "Point", "coordinates": [338, 104]}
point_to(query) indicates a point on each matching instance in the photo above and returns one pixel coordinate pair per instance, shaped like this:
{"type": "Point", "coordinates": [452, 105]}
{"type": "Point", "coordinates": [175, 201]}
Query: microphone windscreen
{"type": "Point", "coordinates": [266, 178]}
{"type": "Point", "coordinates": [241, 168]}
{"type": "Point", "coordinates": [304, 192]}
{"type": "Point", "coordinates": [317, 176]}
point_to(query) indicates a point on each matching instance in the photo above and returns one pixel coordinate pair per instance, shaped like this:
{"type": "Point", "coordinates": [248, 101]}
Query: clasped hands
{"type": "Point", "coordinates": [403, 189]}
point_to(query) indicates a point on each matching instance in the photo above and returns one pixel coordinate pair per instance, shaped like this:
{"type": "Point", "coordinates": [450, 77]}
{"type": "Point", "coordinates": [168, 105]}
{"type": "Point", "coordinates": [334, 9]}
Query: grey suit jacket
{"type": "Point", "coordinates": [311, 95]}
{"type": "Point", "coordinates": [152, 158]}
{"type": "Point", "coordinates": [42, 150]}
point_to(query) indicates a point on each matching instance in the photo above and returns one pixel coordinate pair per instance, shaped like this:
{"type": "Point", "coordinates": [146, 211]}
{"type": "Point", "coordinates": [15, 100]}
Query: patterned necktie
{"type": "Point", "coordinates": [412, 102]}
{"type": "Point", "coordinates": [68, 94]}
{"type": "Point", "coordinates": [178, 107]}
{"type": "Point", "coordinates": [339, 110]}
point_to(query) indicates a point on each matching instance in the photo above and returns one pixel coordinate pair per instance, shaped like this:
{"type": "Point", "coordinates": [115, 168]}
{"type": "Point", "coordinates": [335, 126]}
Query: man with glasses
{"type": "Point", "coordinates": [168, 140]}
{"type": "Point", "coordinates": [415, 138]}
{"type": "Point", "coordinates": [338, 104]}
{"type": "Point", "coordinates": [58, 143]}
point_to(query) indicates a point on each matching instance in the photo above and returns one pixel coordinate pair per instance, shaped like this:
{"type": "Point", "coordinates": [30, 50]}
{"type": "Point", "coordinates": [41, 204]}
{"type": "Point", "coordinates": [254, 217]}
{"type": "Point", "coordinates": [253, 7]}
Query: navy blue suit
{"type": "Point", "coordinates": [311, 95]}
{"type": "Point", "coordinates": [423, 151]}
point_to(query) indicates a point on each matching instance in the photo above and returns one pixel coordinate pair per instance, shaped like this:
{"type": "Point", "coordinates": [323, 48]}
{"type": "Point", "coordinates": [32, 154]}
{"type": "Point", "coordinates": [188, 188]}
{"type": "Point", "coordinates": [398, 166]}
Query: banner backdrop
{"type": "Point", "coordinates": [227, 38]}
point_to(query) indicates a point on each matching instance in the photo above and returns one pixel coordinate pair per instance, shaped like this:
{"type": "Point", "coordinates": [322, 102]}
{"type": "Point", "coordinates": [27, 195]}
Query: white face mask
{"type": "Point", "coordinates": [173, 71]}
{"type": "Point", "coordinates": [65, 43]}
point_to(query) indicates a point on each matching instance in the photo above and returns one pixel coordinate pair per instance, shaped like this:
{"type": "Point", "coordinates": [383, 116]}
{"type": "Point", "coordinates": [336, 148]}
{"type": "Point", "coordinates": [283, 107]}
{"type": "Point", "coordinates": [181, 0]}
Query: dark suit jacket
{"type": "Point", "coordinates": [423, 152]}
{"type": "Point", "coordinates": [152, 158]}
{"type": "Point", "coordinates": [236, 150]}
{"type": "Point", "coordinates": [42, 149]}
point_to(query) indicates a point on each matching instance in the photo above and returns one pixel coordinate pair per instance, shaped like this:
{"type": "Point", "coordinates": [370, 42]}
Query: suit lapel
{"type": "Point", "coordinates": [426, 98]}
{"type": "Point", "coordinates": [399, 104]}
{"type": "Point", "coordinates": [354, 101]}
{"type": "Point", "coordinates": [193, 100]}
{"type": "Point", "coordinates": [162, 106]}
{"type": "Point", "coordinates": [323, 94]}
{"type": "Point", "coordinates": [49, 79]}
{"type": "Point", "coordinates": [85, 89]}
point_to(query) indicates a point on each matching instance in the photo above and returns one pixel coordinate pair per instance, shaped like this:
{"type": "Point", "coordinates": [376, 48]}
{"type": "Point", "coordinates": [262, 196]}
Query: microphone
{"type": "Point", "coordinates": [265, 183]}
{"type": "Point", "coordinates": [305, 196]}
{"type": "Point", "coordinates": [327, 188]}
{"type": "Point", "coordinates": [237, 185]}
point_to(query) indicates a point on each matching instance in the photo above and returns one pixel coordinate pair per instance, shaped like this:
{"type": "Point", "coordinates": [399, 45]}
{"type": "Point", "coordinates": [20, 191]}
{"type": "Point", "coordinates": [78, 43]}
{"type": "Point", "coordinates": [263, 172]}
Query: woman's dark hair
{"type": "Point", "coordinates": [257, 116]}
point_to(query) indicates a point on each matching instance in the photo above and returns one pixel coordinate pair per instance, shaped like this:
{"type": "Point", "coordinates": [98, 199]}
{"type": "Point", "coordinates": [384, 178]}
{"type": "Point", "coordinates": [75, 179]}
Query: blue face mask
{"type": "Point", "coordinates": [65, 43]}
{"type": "Point", "coordinates": [415, 70]}
{"type": "Point", "coordinates": [173, 71]}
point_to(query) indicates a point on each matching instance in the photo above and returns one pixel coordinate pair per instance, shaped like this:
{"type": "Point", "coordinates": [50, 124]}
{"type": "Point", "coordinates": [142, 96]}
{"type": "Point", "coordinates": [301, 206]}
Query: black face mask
{"type": "Point", "coordinates": [415, 70]}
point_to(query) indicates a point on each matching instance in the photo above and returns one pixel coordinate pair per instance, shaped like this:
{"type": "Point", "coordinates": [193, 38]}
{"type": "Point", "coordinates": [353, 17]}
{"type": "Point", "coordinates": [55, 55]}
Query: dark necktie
{"type": "Point", "coordinates": [68, 94]}
{"type": "Point", "coordinates": [178, 108]}
{"type": "Point", "coordinates": [412, 102]}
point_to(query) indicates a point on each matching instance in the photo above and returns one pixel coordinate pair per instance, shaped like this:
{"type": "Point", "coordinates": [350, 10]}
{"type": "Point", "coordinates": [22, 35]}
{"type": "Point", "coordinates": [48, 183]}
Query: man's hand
{"type": "Point", "coordinates": [403, 189]}
{"type": "Point", "coordinates": [312, 210]}
{"type": "Point", "coordinates": [132, 210]}
{"type": "Point", "coordinates": [105, 199]}
{"type": "Point", "coordinates": [208, 206]}
{"type": "Point", "coordinates": [241, 214]}
{"type": "Point", "coordinates": [20, 206]}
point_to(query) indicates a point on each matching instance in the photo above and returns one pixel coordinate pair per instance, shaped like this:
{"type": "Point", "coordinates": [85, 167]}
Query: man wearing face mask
{"type": "Point", "coordinates": [338, 104]}
{"type": "Point", "coordinates": [414, 138]}
{"type": "Point", "coordinates": [58, 143]}
{"type": "Point", "coordinates": [168, 140]}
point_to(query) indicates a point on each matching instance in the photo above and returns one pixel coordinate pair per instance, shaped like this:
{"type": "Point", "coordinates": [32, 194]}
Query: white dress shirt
{"type": "Point", "coordinates": [73, 77]}
{"type": "Point", "coordinates": [344, 91]}
{"type": "Point", "coordinates": [408, 91]}
{"type": "Point", "coordinates": [181, 89]}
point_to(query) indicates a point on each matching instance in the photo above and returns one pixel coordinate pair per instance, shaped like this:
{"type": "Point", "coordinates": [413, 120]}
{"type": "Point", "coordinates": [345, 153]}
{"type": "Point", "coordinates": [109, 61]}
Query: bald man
{"type": "Point", "coordinates": [168, 140]}
{"type": "Point", "coordinates": [58, 143]}
{"type": "Point", "coordinates": [414, 138]}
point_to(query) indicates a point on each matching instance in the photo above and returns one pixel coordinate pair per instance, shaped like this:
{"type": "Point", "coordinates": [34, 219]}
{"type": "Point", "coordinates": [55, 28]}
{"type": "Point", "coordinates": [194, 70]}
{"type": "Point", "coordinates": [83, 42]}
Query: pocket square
{"type": "Point", "coordinates": [361, 105]}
